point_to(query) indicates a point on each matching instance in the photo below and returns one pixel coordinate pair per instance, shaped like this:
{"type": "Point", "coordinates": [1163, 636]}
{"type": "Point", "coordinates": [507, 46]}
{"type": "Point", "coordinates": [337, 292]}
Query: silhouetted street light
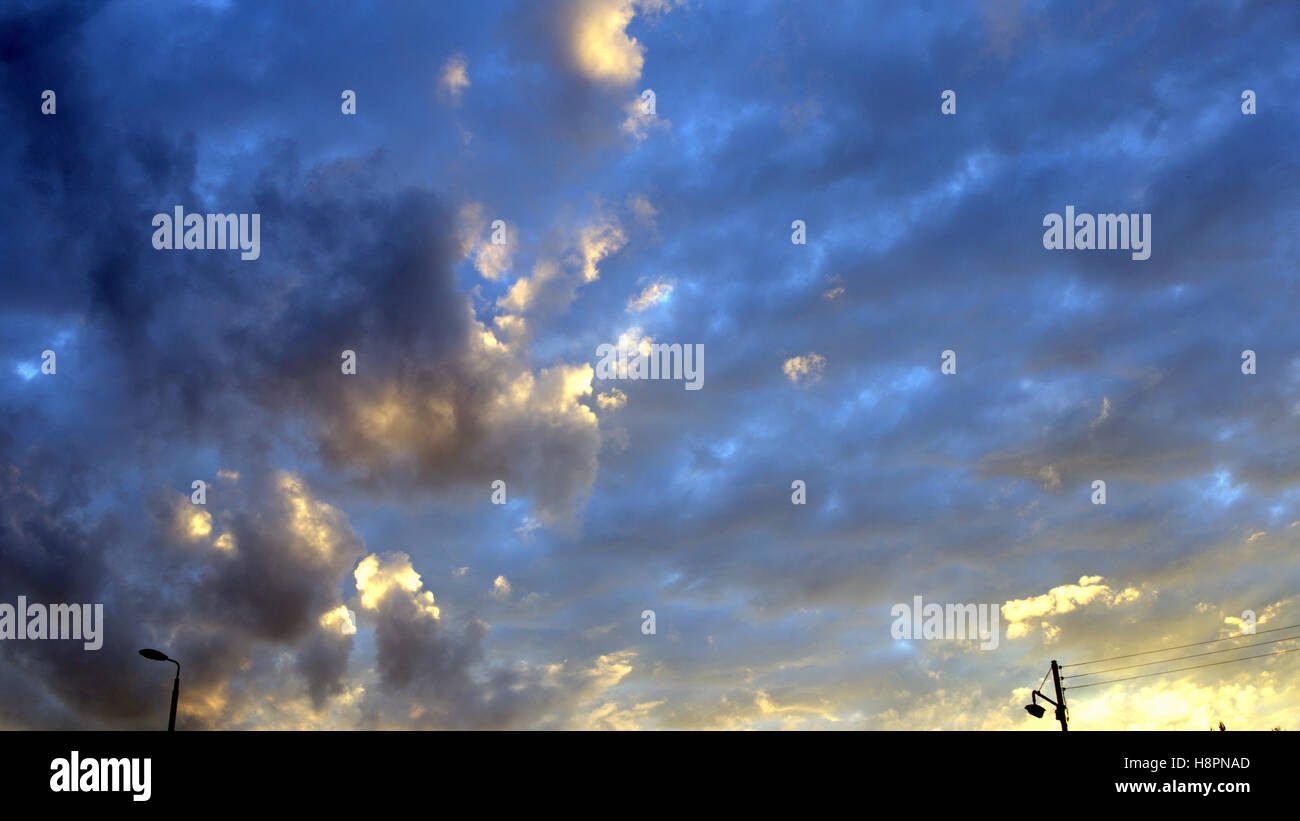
{"type": "Point", "coordinates": [1036, 710]}
{"type": "Point", "coordinates": [158, 655]}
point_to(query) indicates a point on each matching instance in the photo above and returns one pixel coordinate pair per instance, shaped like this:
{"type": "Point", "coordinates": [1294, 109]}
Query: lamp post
{"type": "Point", "coordinates": [1036, 710]}
{"type": "Point", "coordinates": [158, 655]}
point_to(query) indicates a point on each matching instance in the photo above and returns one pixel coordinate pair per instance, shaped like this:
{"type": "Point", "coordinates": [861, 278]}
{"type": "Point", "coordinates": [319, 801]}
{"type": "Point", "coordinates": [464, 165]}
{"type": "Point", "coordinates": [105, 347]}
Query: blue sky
{"type": "Point", "coordinates": [349, 569]}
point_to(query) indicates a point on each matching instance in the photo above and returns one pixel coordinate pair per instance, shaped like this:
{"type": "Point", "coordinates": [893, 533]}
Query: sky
{"type": "Point", "coordinates": [349, 567]}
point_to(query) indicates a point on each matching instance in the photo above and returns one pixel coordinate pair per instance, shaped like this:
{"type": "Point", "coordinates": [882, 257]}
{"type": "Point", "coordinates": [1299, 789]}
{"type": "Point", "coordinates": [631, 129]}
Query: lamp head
{"type": "Point", "coordinates": [1036, 710]}
{"type": "Point", "coordinates": [154, 655]}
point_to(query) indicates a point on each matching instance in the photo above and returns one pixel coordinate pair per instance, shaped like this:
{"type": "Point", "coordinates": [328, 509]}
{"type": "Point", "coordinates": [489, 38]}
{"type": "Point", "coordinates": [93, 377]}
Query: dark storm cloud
{"type": "Point", "coordinates": [194, 349]}
{"type": "Point", "coordinates": [205, 346]}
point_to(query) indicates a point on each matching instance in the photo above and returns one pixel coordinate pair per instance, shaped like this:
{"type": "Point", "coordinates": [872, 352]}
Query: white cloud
{"type": "Point", "coordinates": [653, 294]}
{"type": "Point", "coordinates": [501, 588]}
{"type": "Point", "coordinates": [804, 369]}
{"type": "Point", "coordinates": [597, 240]}
{"type": "Point", "coordinates": [340, 619]}
{"type": "Point", "coordinates": [613, 400]}
{"type": "Point", "coordinates": [491, 261]}
{"type": "Point", "coordinates": [1063, 599]}
{"type": "Point", "coordinates": [454, 78]}
{"type": "Point", "coordinates": [598, 42]}
{"type": "Point", "coordinates": [379, 575]}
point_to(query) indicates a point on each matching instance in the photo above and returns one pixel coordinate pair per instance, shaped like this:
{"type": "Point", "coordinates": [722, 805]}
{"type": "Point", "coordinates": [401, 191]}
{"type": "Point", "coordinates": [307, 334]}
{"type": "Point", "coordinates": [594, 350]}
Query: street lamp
{"type": "Point", "coordinates": [158, 655]}
{"type": "Point", "coordinates": [1036, 710]}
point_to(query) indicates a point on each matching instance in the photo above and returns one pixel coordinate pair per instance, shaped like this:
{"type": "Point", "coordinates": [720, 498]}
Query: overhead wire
{"type": "Point", "coordinates": [1179, 646]}
{"type": "Point", "coordinates": [1181, 658]}
{"type": "Point", "coordinates": [1180, 669]}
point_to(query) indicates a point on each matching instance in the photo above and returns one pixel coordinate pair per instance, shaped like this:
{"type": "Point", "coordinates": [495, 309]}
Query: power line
{"type": "Point", "coordinates": [1180, 669]}
{"type": "Point", "coordinates": [1180, 658]}
{"type": "Point", "coordinates": [1179, 647]}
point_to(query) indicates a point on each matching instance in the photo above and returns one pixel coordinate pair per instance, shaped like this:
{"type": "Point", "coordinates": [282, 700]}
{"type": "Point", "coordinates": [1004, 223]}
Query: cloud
{"type": "Point", "coordinates": [1105, 413]}
{"type": "Point", "coordinates": [1050, 477]}
{"type": "Point", "coordinates": [523, 294]}
{"type": "Point", "coordinates": [641, 119]}
{"type": "Point", "coordinates": [432, 674]}
{"type": "Point", "coordinates": [609, 714]}
{"type": "Point", "coordinates": [323, 657]}
{"type": "Point", "coordinates": [611, 400]}
{"type": "Point", "coordinates": [340, 619]}
{"type": "Point", "coordinates": [598, 43]}
{"type": "Point", "coordinates": [378, 576]}
{"type": "Point", "coordinates": [501, 588]}
{"type": "Point", "coordinates": [454, 78]}
{"type": "Point", "coordinates": [269, 623]}
{"type": "Point", "coordinates": [508, 421]}
{"type": "Point", "coordinates": [530, 525]}
{"type": "Point", "coordinates": [552, 286]}
{"type": "Point", "coordinates": [642, 209]}
{"type": "Point", "coordinates": [597, 240]}
{"type": "Point", "coordinates": [653, 294]}
{"type": "Point", "coordinates": [1063, 599]}
{"type": "Point", "coordinates": [804, 369]}
{"type": "Point", "coordinates": [354, 266]}
{"type": "Point", "coordinates": [631, 343]}
{"type": "Point", "coordinates": [491, 260]}
{"type": "Point", "coordinates": [176, 365]}
{"type": "Point", "coordinates": [220, 612]}
{"type": "Point", "coordinates": [1235, 625]}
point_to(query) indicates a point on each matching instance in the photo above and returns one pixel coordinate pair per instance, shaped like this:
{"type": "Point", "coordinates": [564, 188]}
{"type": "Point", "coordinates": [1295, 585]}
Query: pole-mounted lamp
{"type": "Point", "coordinates": [158, 655]}
{"type": "Point", "coordinates": [1036, 710]}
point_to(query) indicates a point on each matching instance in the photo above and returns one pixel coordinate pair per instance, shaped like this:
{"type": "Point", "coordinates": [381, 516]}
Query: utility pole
{"type": "Point", "coordinates": [1061, 715]}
